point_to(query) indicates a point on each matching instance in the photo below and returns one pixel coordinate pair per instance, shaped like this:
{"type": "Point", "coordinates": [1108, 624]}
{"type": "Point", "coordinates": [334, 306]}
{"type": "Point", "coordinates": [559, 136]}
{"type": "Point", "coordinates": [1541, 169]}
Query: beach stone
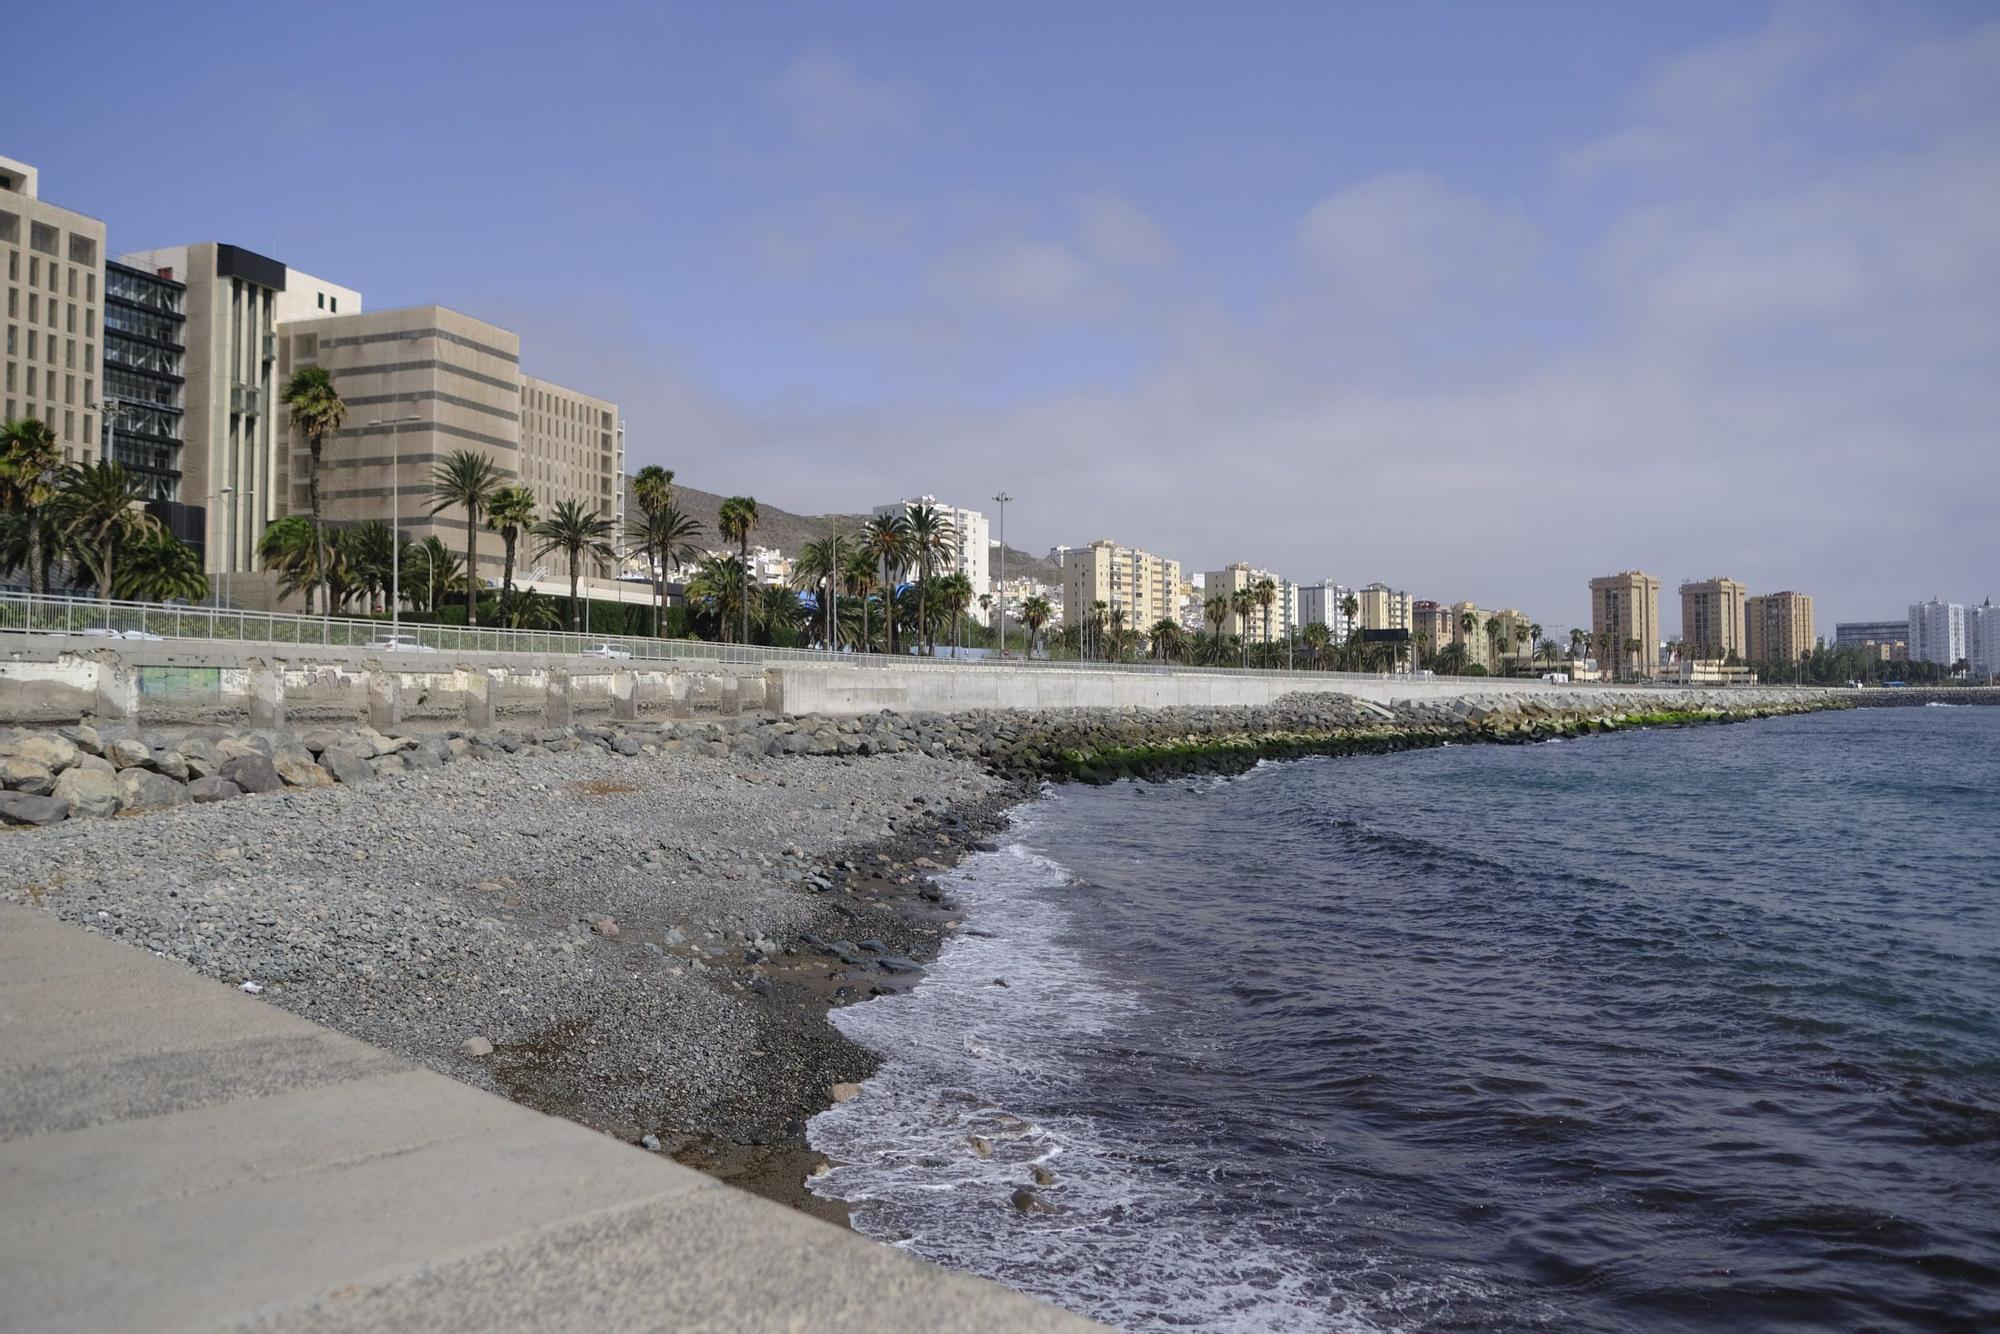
{"type": "Point", "coordinates": [51, 752]}
{"type": "Point", "coordinates": [476, 1047]}
{"type": "Point", "coordinates": [83, 737]}
{"type": "Point", "coordinates": [88, 792]}
{"type": "Point", "coordinates": [24, 775]}
{"type": "Point", "coordinates": [844, 1092]}
{"type": "Point", "coordinates": [319, 739]}
{"type": "Point", "coordinates": [980, 1145]}
{"type": "Point", "coordinates": [26, 808]}
{"type": "Point", "coordinates": [235, 748]}
{"type": "Point", "coordinates": [212, 788]}
{"type": "Point", "coordinates": [128, 754]}
{"type": "Point", "coordinates": [605, 927]}
{"type": "Point", "coordinates": [252, 773]}
{"type": "Point", "coordinates": [1025, 1201]}
{"type": "Point", "coordinates": [94, 763]}
{"type": "Point", "coordinates": [171, 763]}
{"type": "Point", "coordinates": [296, 766]}
{"type": "Point", "coordinates": [1042, 1175]}
{"type": "Point", "coordinates": [142, 789]}
{"type": "Point", "coordinates": [388, 764]}
{"type": "Point", "coordinates": [347, 766]}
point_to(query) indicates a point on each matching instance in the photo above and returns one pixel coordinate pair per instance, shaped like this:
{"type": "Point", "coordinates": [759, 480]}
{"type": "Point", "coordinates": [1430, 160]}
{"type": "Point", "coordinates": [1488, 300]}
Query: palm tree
{"type": "Point", "coordinates": [857, 580]}
{"type": "Point", "coordinates": [1578, 637]}
{"type": "Point", "coordinates": [1494, 631]}
{"type": "Point", "coordinates": [1350, 607]}
{"type": "Point", "coordinates": [653, 492]}
{"type": "Point", "coordinates": [1265, 591]}
{"type": "Point", "coordinates": [1167, 638]}
{"type": "Point", "coordinates": [159, 567]}
{"type": "Point", "coordinates": [1035, 613]}
{"type": "Point", "coordinates": [469, 480]}
{"type": "Point", "coordinates": [818, 568]}
{"type": "Point", "coordinates": [1632, 647]}
{"type": "Point", "coordinates": [317, 411]}
{"type": "Point", "coordinates": [1240, 602]}
{"type": "Point", "coordinates": [1115, 640]}
{"type": "Point", "coordinates": [1522, 633]}
{"type": "Point", "coordinates": [1216, 611]}
{"type": "Point", "coordinates": [666, 537]}
{"type": "Point", "coordinates": [1317, 636]}
{"type": "Point", "coordinates": [886, 538]}
{"type": "Point", "coordinates": [933, 539]}
{"type": "Point", "coordinates": [511, 510]}
{"type": "Point", "coordinates": [99, 508]}
{"type": "Point", "coordinates": [955, 593]}
{"type": "Point", "coordinates": [367, 551]}
{"type": "Point", "coordinates": [1468, 626]}
{"type": "Point", "coordinates": [577, 531]}
{"type": "Point", "coordinates": [435, 572]}
{"type": "Point", "coordinates": [718, 585]}
{"type": "Point", "coordinates": [287, 547]}
{"type": "Point", "coordinates": [1548, 651]}
{"type": "Point", "coordinates": [734, 521]}
{"type": "Point", "coordinates": [30, 466]}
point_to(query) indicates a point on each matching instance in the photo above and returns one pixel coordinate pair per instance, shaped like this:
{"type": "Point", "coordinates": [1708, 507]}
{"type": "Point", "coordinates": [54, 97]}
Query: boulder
{"type": "Point", "coordinates": [50, 751]}
{"type": "Point", "coordinates": [297, 767]}
{"type": "Point", "coordinates": [128, 754]}
{"type": "Point", "coordinates": [204, 790]}
{"type": "Point", "coordinates": [24, 775]}
{"type": "Point", "coordinates": [319, 739]}
{"type": "Point", "coordinates": [89, 792]}
{"type": "Point", "coordinates": [26, 808]}
{"type": "Point", "coordinates": [142, 789]}
{"type": "Point", "coordinates": [422, 757]}
{"type": "Point", "coordinates": [171, 763]}
{"type": "Point", "coordinates": [252, 773]}
{"type": "Point", "coordinates": [83, 737]}
{"type": "Point", "coordinates": [95, 763]}
{"type": "Point", "coordinates": [346, 765]}
{"type": "Point", "coordinates": [387, 764]}
{"type": "Point", "coordinates": [235, 748]}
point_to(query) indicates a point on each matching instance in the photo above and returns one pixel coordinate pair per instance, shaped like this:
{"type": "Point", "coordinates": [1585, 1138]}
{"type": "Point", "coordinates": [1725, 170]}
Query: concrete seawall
{"type": "Point", "coordinates": [59, 679]}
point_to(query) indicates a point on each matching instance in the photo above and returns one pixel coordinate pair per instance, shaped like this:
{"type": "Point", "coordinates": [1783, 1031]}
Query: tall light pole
{"type": "Point", "coordinates": [229, 509]}
{"type": "Point", "coordinates": [1001, 498]}
{"type": "Point", "coordinates": [395, 520]}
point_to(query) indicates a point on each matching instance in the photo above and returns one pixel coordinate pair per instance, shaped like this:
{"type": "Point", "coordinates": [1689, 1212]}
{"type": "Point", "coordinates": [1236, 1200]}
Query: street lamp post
{"type": "Point", "coordinates": [395, 522]}
{"type": "Point", "coordinates": [229, 507]}
{"type": "Point", "coordinates": [1001, 498]}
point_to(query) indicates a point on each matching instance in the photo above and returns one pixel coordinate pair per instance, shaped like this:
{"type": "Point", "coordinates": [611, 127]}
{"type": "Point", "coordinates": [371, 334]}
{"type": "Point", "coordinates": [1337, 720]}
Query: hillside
{"type": "Point", "coordinates": [787, 531]}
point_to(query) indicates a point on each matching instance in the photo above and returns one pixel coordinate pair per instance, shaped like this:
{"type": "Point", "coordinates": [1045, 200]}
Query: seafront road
{"type": "Point", "coordinates": [175, 1154]}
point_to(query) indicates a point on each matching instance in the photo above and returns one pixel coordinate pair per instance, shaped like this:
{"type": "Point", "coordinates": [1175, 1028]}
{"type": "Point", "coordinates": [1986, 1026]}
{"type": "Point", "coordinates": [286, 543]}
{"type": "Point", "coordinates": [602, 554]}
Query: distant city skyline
{"type": "Point", "coordinates": [1697, 291]}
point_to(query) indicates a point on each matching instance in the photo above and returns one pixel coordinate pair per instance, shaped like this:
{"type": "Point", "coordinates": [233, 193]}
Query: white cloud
{"type": "Point", "coordinates": [1407, 240]}
{"type": "Point", "coordinates": [1023, 277]}
{"type": "Point", "coordinates": [830, 103]}
{"type": "Point", "coordinates": [1119, 233]}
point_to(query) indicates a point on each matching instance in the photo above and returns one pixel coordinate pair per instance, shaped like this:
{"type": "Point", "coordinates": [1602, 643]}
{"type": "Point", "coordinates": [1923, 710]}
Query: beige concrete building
{"type": "Point", "coordinates": [1432, 621]}
{"type": "Point", "coordinates": [1384, 608]}
{"type": "Point", "coordinates": [573, 448]}
{"type": "Point", "coordinates": [1515, 635]}
{"type": "Point", "coordinates": [52, 261]}
{"type": "Point", "coordinates": [1254, 628]}
{"type": "Point", "coordinates": [1780, 627]}
{"type": "Point", "coordinates": [1142, 584]}
{"type": "Point", "coordinates": [1712, 619]}
{"type": "Point", "coordinates": [1627, 607]}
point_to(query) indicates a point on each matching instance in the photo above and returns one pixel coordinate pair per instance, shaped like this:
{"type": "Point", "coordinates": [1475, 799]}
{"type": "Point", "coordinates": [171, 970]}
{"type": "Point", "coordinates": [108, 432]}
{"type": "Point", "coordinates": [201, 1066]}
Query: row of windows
{"type": "Point", "coordinates": [35, 348]}
{"type": "Point", "coordinates": [43, 384]}
{"type": "Point", "coordinates": [143, 290]}
{"type": "Point", "coordinates": [126, 387]}
{"type": "Point", "coordinates": [57, 281]}
{"type": "Point", "coordinates": [17, 409]}
{"type": "Point", "coordinates": [67, 310]}
{"type": "Point", "coordinates": [144, 324]}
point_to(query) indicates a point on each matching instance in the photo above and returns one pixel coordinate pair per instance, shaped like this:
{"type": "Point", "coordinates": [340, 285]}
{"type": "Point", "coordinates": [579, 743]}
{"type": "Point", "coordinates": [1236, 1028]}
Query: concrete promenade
{"type": "Point", "coordinates": [176, 1155]}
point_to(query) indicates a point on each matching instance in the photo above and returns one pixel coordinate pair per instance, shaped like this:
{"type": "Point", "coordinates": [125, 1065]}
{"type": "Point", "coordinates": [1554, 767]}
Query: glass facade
{"type": "Point", "coordinates": [143, 385]}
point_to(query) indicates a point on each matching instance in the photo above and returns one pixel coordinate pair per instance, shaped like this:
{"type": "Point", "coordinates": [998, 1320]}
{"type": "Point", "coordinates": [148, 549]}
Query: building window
{"type": "Point", "coordinates": [322, 300]}
{"type": "Point", "coordinates": [336, 305]}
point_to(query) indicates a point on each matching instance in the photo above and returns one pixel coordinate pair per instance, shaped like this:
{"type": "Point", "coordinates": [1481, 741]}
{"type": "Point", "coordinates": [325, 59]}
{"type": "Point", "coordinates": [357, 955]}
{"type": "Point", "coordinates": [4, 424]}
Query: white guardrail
{"type": "Point", "coordinates": [22, 613]}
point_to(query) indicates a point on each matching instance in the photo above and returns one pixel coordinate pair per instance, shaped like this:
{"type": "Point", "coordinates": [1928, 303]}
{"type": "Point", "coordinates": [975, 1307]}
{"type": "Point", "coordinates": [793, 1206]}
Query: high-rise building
{"type": "Point", "coordinates": [1476, 643]}
{"type": "Point", "coordinates": [1982, 639]}
{"type": "Point", "coordinates": [1859, 634]}
{"type": "Point", "coordinates": [1262, 625]}
{"type": "Point", "coordinates": [143, 387]}
{"type": "Point", "coordinates": [971, 539]}
{"type": "Point", "coordinates": [1780, 627]}
{"type": "Point", "coordinates": [54, 268]}
{"type": "Point", "coordinates": [1325, 603]}
{"type": "Point", "coordinates": [1712, 619]}
{"type": "Point", "coordinates": [1385, 608]}
{"type": "Point", "coordinates": [1136, 582]}
{"type": "Point", "coordinates": [1937, 631]}
{"type": "Point", "coordinates": [1626, 606]}
{"type": "Point", "coordinates": [1432, 621]}
{"type": "Point", "coordinates": [573, 448]}
{"type": "Point", "coordinates": [1513, 633]}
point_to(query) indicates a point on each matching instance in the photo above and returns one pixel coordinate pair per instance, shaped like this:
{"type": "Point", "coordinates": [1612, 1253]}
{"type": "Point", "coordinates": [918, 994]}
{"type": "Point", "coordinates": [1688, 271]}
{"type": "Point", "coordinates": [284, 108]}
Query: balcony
{"type": "Point", "coordinates": [245, 399]}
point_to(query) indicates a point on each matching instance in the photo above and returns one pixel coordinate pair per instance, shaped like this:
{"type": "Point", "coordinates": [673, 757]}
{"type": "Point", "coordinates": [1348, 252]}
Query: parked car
{"type": "Point", "coordinates": [144, 634]}
{"type": "Point", "coordinates": [611, 651]}
{"type": "Point", "coordinates": [398, 644]}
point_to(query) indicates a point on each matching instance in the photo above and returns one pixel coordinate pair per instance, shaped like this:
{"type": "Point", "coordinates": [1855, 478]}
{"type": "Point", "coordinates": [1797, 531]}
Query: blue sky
{"type": "Point", "coordinates": [1476, 299]}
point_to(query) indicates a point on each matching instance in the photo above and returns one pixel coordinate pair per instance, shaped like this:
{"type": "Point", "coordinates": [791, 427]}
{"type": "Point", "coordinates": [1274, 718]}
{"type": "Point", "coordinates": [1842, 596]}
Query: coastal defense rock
{"type": "Point", "coordinates": [89, 792]}
{"type": "Point", "coordinates": [1025, 1201]}
{"type": "Point", "coordinates": [212, 788]}
{"type": "Point", "coordinates": [128, 754]}
{"type": "Point", "coordinates": [23, 808]}
{"type": "Point", "coordinates": [51, 752]}
{"type": "Point", "coordinates": [296, 766]}
{"type": "Point", "coordinates": [253, 773]}
{"type": "Point", "coordinates": [24, 775]}
{"type": "Point", "coordinates": [144, 790]}
{"type": "Point", "coordinates": [346, 765]}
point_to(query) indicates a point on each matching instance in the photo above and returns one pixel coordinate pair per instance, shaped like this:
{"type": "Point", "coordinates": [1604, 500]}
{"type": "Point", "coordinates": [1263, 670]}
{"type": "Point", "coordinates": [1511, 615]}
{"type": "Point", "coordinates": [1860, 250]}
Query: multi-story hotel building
{"type": "Point", "coordinates": [1325, 603]}
{"type": "Point", "coordinates": [1861, 634]}
{"type": "Point", "coordinates": [53, 263]}
{"type": "Point", "coordinates": [1712, 619]}
{"type": "Point", "coordinates": [1937, 631]}
{"type": "Point", "coordinates": [1780, 626]}
{"type": "Point", "coordinates": [1432, 620]}
{"type": "Point", "coordinates": [972, 539]}
{"type": "Point", "coordinates": [1143, 585]}
{"type": "Point", "coordinates": [1385, 608]}
{"type": "Point", "coordinates": [1627, 607]}
{"type": "Point", "coordinates": [423, 382]}
{"type": "Point", "coordinates": [1258, 627]}
{"type": "Point", "coordinates": [1514, 635]}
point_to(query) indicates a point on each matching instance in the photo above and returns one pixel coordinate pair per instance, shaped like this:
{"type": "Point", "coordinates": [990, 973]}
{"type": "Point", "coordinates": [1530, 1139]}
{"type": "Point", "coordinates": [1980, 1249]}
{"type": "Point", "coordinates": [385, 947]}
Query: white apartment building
{"type": "Point", "coordinates": [1982, 639]}
{"type": "Point", "coordinates": [1324, 603]}
{"type": "Point", "coordinates": [973, 539]}
{"type": "Point", "coordinates": [1937, 632]}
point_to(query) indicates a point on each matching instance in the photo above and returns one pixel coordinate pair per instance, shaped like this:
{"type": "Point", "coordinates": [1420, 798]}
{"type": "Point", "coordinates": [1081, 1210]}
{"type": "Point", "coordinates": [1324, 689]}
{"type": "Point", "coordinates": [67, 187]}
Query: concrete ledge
{"type": "Point", "coordinates": [175, 1154]}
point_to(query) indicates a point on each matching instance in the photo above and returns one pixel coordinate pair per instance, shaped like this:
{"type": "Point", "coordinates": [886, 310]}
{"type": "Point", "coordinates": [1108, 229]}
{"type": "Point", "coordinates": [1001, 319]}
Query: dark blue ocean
{"type": "Point", "coordinates": [1683, 1029]}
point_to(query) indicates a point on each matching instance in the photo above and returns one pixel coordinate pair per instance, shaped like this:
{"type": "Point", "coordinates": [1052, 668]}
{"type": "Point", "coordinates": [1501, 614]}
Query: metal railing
{"type": "Point", "coordinates": [113, 621]}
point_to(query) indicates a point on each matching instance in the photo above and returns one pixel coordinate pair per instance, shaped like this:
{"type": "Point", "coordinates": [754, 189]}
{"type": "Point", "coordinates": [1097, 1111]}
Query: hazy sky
{"type": "Point", "coordinates": [1477, 299]}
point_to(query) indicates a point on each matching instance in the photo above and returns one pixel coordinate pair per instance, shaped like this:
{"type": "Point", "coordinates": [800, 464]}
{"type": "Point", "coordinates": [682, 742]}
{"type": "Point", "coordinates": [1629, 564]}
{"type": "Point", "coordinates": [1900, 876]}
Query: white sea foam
{"type": "Point", "coordinates": [1126, 1240]}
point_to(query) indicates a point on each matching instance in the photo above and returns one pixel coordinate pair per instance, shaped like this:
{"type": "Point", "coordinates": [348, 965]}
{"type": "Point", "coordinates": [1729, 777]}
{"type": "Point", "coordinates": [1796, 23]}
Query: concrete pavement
{"type": "Point", "coordinates": [177, 1155]}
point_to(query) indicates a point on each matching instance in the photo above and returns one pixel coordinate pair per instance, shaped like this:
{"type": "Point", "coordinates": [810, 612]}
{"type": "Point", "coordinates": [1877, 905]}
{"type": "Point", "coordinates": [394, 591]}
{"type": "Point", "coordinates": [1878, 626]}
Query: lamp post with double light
{"type": "Point", "coordinates": [1001, 498]}
{"type": "Point", "coordinates": [395, 520]}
